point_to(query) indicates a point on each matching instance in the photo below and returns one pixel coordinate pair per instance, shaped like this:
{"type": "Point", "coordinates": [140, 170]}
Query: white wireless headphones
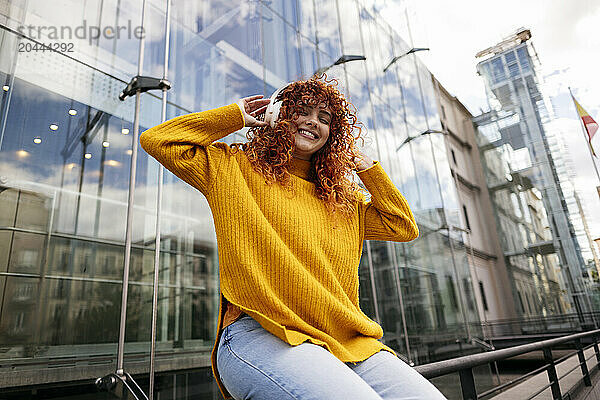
{"type": "Point", "coordinates": [272, 112]}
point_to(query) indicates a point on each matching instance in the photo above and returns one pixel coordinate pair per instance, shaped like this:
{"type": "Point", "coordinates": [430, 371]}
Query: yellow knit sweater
{"type": "Point", "coordinates": [281, 260]}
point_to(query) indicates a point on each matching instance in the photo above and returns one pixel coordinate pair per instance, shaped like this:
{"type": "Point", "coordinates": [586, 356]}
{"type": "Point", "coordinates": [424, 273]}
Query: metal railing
{"type": "Point", "coordinates": [464, 365]}
{"type": "Point", "coordinates": [561, 323]}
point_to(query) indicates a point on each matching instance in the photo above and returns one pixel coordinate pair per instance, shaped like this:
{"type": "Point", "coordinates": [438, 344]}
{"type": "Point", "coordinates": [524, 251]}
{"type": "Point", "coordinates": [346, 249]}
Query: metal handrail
{"type": "Point", "coordinates": [440, 368]}
{"type": "Point", "coordinates": [464, 365]}
{"type": "Point", "coordinates": [572, 322]}
{"type": "Point", "coordinates": [542, 318]}
{"type": "Point", "coordinates": [539, 317]}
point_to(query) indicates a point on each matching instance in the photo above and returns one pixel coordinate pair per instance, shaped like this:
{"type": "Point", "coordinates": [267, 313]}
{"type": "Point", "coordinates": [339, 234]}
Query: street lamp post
{"type": "Point", "coordinates": [427, 132]}
{"type": "Point", "coordinates": [413, 50]}
{"type": "Point", "coordinates": [342, 60]}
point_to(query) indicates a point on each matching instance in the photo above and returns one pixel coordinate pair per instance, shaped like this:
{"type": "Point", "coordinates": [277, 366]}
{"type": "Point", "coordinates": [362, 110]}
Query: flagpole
{"type": "Point", "coordinates": [587, 140]}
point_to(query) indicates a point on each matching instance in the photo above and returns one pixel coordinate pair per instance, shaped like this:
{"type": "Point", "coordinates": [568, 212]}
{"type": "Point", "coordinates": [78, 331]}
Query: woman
{"type": "Point", "coordinates": [290, 227]}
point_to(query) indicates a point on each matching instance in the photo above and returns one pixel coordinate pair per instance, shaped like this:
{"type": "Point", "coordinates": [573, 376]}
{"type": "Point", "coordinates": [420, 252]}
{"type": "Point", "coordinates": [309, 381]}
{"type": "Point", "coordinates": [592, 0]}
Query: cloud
{"type": "Point", "coordinates": [566, 40]}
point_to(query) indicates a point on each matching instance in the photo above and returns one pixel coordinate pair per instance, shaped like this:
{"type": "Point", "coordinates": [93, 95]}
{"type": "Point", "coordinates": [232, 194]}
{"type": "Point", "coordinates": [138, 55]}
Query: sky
{"type": "Point", "coordinates": [566, 37]}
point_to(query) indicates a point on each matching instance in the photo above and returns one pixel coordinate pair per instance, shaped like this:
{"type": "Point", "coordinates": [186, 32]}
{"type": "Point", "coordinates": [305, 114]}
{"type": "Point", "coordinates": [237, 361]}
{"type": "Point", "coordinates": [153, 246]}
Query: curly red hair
{"type": "Point", "coordinates": [270, 150]}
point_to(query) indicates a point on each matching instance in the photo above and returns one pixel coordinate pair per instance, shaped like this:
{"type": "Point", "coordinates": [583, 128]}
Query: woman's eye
{"type": "Point", "coordinates": [324, 121]}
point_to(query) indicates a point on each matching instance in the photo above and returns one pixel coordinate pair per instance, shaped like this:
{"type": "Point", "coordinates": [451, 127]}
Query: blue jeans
{"type": "Point", "coordinates": [255, 364]}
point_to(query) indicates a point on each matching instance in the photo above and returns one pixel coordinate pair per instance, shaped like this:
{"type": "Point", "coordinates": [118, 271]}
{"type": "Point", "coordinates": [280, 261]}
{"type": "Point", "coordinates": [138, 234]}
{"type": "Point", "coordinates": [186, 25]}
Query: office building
{"type": "Point", "coordinates": [489, 274]}
{"type": "Point", "coordinates": [528, 183]}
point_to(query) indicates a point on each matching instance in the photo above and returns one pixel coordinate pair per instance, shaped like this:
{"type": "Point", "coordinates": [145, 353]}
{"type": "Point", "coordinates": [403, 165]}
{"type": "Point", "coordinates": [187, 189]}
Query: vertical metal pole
{"type": "Point", "coordinates": [458, 282]}
{"type": "Point", "coordinates": [402, 313]}
{"type": "Point", "coordinates": [484, 324]}
{"type": "Point", "coordinates": [372, 281]}
{"type": "Point", "coordinates": [585, 283]}
{"type": "Point", "coordinates": [7, 102]}
{"type": "Point", "coordinates": [467, 384]}
{"type": "Point", "coordinates": [262, 51]}
{"type": "Point", "coordinates": [163, 117]}
{"type": "Point", "coordinates": [41, 307]}
{"type": "Point", "coordinates": [596, 350]}
{"type": "Point", "coordinates": [584, 369]}
{"type": "Point", "coordinates": [299, 42]}
{"type": "Point", "coordinates": [584, 131]}
{"type": "Point", "coordinates": [132, 172]}
{"type": "Point", "coordinates": [437, 175]}
{"type": "Point", "coordinates": [339, 24]}
{"type": "Point", "coordinates": [552, 376]}
{"type": "Point", "coordinates": [314, 7]}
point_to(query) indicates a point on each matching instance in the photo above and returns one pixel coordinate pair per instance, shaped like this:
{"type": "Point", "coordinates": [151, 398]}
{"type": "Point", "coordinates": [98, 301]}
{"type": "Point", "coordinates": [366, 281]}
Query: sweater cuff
{"type": "Point", "coordinates": [376, 180]}
{"type": "Point", "coordinates": [222, 121]}
{"type": "Point", "coordinates": [241, 114]}
{"type": "Point", "coordinates": [375, 162]}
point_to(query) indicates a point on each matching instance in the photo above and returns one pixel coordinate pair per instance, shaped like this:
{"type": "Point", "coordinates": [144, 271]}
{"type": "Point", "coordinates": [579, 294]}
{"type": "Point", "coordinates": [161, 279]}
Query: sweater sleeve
{"type": "Point", "coordinates": [184, 144]}
{"type": "Point", "coordinates": [387, 216]}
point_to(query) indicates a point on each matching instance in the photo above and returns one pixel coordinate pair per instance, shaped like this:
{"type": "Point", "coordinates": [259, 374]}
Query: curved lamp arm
{"type": "Point", "coordinates": [413, 50]}
{"type": "Point", "coordinates": [342, 60]}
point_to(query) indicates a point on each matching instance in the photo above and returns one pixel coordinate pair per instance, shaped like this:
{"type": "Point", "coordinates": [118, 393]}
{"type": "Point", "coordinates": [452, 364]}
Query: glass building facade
{"type": "Point", "coordinates": [538, 287]}
{"type": "Point", "coordinates": [65, 153]}
{"type": "Point", "coordinates": [529, 184]}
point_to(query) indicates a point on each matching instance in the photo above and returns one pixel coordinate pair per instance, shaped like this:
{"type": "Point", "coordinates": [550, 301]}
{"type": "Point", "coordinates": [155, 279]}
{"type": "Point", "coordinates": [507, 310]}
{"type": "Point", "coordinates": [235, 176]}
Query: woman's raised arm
{"type": "Point", "coordinates": [185, 144]}
{"type": "Point", "coordinates": [387, 216]}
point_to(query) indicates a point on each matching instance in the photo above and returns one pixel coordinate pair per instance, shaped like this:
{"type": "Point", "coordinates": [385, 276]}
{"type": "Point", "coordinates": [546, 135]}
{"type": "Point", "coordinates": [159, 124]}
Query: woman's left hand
{"type": "Point", "coordinates": [362, 161]}
{"type": "Point", "coordinates": [251, 108]}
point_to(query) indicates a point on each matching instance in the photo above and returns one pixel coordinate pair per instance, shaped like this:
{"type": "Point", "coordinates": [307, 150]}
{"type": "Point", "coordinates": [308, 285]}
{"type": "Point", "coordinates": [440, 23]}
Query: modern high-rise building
{"type": "Point", "coordinates": [528, 182]}
{"type": "Point", "coordinates": [65, 159]}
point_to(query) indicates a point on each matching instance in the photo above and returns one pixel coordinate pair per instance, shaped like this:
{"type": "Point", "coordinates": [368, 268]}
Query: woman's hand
{"type": "Point", "coordinates": [362, 161]}
{"type": "Point", "coordinates": [251, 107]}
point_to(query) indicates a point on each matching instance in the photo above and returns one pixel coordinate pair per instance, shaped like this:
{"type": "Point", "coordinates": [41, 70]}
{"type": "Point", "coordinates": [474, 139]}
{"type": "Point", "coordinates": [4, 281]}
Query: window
{"type": "Point", "coordinates": [23, 292]}
{"type": "Point", "coordinates": [19, 322]}
{"type": "Point", "coordinates": [511, 63]}
{"type": "Point", "coordinates": [453, 156]}
{"type": "Point", "coordinates": [451, 292]}
{"type": "Point", "coordinates": [64, 261]}
{"type": "Point", "coordinates": [109, 264]}
{"type": "Point", "coordinates": [57, 313]}
{"type": "Point", "coordinates": [466, 217]}
{"type": "Point", "coordinates": [468, 293]}
{"type": "Point", "coordinates": [83, 290]}
{"type": "Point", "coordinates": [388, 282]}
{"type": "Point", "coordinates": [497, 67]}
{"type": "Point", "coordinates": [28, 258]}
{"type": "Point", "coordinates": [59, 289]}
{"type": "Point", "coordinates": [523, 58]}
{"type": "Point", "coordinates": [483, 298]}
{"type": "Point", "coordinates": [529, 307]}
{"type": "Point", "coordinates": [443, 112]}
{"type": "Point", "coordinates": [521, 301]}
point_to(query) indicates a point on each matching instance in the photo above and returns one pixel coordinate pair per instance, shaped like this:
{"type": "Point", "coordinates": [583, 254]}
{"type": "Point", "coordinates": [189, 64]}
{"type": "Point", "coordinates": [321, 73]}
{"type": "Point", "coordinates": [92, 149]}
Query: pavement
{"type": "Point", "coordinates": [571, 385]}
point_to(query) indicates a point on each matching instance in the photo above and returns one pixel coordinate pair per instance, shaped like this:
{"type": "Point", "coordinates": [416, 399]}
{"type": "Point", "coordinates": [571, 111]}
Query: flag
{"type": "Point", "coordinates": [589, 124]}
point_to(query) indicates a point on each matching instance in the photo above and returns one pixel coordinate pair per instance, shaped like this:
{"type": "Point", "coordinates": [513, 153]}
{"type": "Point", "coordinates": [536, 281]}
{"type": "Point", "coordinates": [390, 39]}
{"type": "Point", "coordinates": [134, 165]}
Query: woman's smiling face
{"type": "Point", "coordinates": [312, 130]}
